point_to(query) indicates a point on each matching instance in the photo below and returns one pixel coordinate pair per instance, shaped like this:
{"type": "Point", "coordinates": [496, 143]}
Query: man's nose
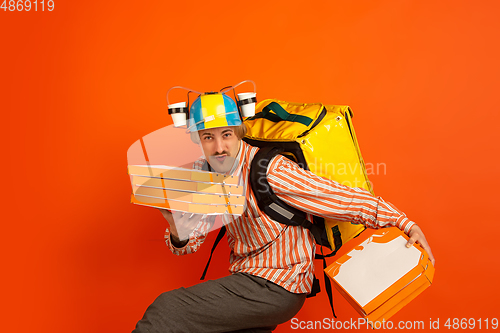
{"type": "Point", "coordinates": [219, 145]}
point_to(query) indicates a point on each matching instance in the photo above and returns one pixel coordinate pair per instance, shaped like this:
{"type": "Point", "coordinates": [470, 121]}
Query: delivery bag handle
{"type": "Point", "coordinates": [283, 114]}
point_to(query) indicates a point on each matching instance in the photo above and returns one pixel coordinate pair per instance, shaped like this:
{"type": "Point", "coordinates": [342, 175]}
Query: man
{"type": "Point", "coordinates": [271, 264]}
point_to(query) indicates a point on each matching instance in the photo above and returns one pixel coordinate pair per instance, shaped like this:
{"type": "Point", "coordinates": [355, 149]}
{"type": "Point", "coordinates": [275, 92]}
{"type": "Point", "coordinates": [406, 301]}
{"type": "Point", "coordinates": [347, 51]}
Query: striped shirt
{"type": "Point", "coordinates": [284, 254]}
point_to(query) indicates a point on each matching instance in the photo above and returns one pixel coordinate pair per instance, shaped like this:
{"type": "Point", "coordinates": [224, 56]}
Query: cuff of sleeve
{"type": "Point", "coordinates": [176, 250]}
{"type": "Point", "coordinates": [405, 224]}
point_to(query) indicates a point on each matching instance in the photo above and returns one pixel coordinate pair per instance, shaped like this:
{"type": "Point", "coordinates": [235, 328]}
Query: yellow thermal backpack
{"type": "Point", "coordinates": [320, 138]}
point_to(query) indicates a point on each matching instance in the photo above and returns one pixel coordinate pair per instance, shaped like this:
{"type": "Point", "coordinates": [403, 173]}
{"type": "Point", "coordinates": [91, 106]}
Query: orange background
{"type": "Point", "coordinates": [80, 84]}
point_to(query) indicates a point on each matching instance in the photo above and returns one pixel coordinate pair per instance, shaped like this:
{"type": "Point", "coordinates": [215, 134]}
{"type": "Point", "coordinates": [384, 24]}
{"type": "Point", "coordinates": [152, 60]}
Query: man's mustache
{"type": "Point", "coordinates": [223, 153]}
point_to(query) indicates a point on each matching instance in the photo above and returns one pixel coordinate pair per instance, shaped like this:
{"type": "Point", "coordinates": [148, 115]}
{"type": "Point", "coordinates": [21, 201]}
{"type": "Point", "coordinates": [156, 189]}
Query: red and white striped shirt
{"type": "Point", "coordinates": [284, 254]}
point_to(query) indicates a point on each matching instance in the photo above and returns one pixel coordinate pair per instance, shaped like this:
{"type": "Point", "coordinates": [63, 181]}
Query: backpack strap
{"type": "Point", "coordinates": [221, 233]}
{"type": "Point", "coordinates": [337, 239]}
{"type": "Point", "coordinates": [268, 201]}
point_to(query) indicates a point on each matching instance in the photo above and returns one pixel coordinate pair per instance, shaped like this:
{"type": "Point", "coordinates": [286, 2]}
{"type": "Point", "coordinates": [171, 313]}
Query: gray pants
{"type": "Point", "coordinates": [236, 303]}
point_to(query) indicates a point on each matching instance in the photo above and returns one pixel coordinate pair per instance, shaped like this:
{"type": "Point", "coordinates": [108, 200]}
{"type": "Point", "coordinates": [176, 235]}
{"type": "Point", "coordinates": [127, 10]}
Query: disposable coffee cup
{"type": "Point", "coordinates": [248, 109]}
{"type": "Point", "coordinates": [179, 118]}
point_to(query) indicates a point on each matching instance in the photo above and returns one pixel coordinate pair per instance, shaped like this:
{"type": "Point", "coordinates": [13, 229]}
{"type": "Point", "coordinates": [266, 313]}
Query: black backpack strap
{"type": "Point", "coordinates": [328, 283]}
{"type": "Point", "coordinates": [221, 234]}
{"type": "Point", "coordinates": [274, 207]}
{"type": "Point", "coordinates": [328, 287]}
{"type": "Point", "coordinates": [267, 201]}
{"type": "Point", "coordinates": [337, 240]}
{"type": "Point", "coordinates": [315, 287]}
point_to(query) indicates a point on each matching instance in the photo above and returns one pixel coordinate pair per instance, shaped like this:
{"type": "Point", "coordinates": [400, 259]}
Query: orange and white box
{"type": "Point", "coordinates": [380, 275]}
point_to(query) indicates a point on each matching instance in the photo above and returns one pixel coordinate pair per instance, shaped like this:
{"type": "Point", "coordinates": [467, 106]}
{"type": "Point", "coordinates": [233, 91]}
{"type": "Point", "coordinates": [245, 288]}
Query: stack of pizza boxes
{"type": "Point", "coordinates": [186, 190]}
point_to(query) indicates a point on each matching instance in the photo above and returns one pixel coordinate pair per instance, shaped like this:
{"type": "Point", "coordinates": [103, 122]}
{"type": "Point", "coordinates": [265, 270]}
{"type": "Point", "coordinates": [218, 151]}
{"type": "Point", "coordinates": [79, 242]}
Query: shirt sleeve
{"type": "Point", "coordinates": [320, 196]}
{"type": "Point", "coordinates": [196, 237]}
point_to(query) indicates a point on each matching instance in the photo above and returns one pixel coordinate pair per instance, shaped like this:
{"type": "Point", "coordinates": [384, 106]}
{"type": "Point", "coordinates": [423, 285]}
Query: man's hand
{"type": "Point", "coordinates": [181, 225]}
{"type": "Point", "coordinates": [416, 235]}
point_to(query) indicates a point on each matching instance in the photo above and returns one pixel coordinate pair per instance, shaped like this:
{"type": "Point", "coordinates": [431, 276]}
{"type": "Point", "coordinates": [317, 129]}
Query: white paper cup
{"type": "Point", "coordinates": [248, 110]}
{"type": "Point", "coordinates": [179, 119]}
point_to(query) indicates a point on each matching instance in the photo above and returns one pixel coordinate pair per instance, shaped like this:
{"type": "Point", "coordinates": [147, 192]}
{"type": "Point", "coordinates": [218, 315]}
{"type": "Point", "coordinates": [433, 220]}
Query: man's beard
{"type": "Point", "coordinates": [222, 162]}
